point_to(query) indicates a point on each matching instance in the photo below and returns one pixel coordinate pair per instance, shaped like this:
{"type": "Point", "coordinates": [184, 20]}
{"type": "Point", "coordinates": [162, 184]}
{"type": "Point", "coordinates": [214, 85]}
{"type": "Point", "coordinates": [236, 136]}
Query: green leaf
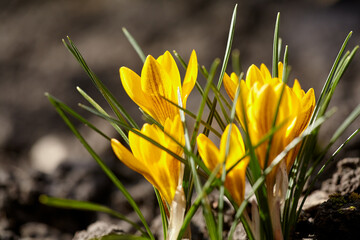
{"type": "Point", "coordinates": [209, 218]}
{"type": "Point", "coordinates": [200, 112]}
{"type": "Point", "coordinates": [235, 60]}
{"type": "Point", "coordinates": [78, 117]}
{"type": "Point", "coordinates": [192, 115]}
{"type": "Point", "coordinates": [88, 206]}
{"type": "Point", "coordinates": [164, 219]}
{"type": "Point", "coordinates": [206, 189]}
{"type": "Point", "coordinates": [120, 112]}
{"type": "Point", "coordinates": [284, 80]}
{"type": "Point", "coordinates": [224, 65]}
{"type": "Point", "coordinates": [201, 91]}
{"type": "Point", "coordinates": [319, 173]}
{"type": "Point", "coordinates": [224, 172]}
{"type": "Point", "coordinates": [101, 110]}
{"type": "Point", "coordinates": [328, 81]}
{"type": "Point", "coordinates": [134, 44]}
{"type": "Point", "coordinates": [276, 54]}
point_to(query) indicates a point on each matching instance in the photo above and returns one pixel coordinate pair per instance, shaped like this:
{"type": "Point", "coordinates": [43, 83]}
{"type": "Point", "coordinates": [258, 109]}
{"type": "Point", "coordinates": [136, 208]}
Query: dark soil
{"type": "Point", "coordinates": [39, 154]}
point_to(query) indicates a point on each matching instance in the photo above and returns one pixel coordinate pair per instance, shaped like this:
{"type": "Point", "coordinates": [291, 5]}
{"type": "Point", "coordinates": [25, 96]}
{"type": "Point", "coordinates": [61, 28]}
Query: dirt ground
{"type": "Point", "coordinates": [38, 154]}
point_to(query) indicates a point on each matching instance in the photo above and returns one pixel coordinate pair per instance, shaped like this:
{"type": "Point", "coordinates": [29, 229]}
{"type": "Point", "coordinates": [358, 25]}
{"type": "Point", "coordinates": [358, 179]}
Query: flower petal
{"type": "Point", "coordinates": [132, 85]}
{"type": "Point", "coordinates": [167, 62]}
{"type": "Point", "coordinates": [297, 89]}
{"type": "Point", "coordinates": [125, 156]}
{"type": "Point", "coordinates": [265, 72]}
{"type": "Point", "coordinates": [144, 149]}
{"type": "Point", "coordinates": [156, 83]}
{"type": "Point", "coordinates": [235, 181]}
{"type": "Point", "coordinates": [190, 77]}
{"type": "Point", "coordinates": [175, 129]}
{"type": "Point", "coordinates": [230, 84]}
{"type": "Point", "coordinates": [253, 75]}
{"type": "Point", "coordinates": [262, 111]}
{"type": "Point", "coordinates": [208, 152]}
{"type": "Point", "coordinates": [280, 71]}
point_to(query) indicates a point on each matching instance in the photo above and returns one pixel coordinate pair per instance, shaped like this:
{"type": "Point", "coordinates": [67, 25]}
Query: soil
{"type": "Point", "coordinates": [38, 153]}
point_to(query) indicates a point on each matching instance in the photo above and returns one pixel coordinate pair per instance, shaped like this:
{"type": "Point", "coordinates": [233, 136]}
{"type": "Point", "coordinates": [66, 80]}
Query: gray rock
{"type": "Point", "coordinates": [97, 230]}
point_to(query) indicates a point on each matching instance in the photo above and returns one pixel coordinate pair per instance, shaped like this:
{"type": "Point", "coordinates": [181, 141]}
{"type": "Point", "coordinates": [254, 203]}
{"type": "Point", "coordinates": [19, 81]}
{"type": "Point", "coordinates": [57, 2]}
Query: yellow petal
{"type": "Point", "coordinates": [263, 109]}
{"type": "Point", "coordinates": [208, 152]}
{"type": "Point", "coordinates": [235, 181]}
{"type": "Point", "coordinates": [265, 72]}
{"type": "Point", "coordinates": [230, 84]}
{"type": "Point", "coordinates": [132, 85]}
{"type": "Point", "coordinates": [253, 75]}
{"type": "Point", "coordinates": [167, 62]}
{"type": "Point", "coordinates": [159, 167]}
{"type": "Point", "coordinates": [297, 89]}
{"type": "Point", "coordinates": [308, 101]}
{"type": "Point", "coordinates": [156, 83]}
{"type": "Point", "coordinates": [144, 149]}
{"type": "Point", "coordinates": [280, 70]}
{"type": "Point", "coordinates": [175, 129]}
{"type": "Point", "coordinates": [236, 145]}
{"type": "Point", "coordinates": [124, 155]}
{"type": "Point", "coordinates": [190, 77]}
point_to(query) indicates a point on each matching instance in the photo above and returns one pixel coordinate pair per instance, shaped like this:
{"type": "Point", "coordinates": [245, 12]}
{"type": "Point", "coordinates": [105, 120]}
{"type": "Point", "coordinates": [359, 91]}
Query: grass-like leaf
{"type": "Point", "coordinates": [194, 116]}
{"type": "Point", "coordinates": [235, 61]}
{"type": "Point", "coordinates": [224, 171]}
{"type": "Point", "coordinates": [224, 65]}
{"type": "Point", "coordinates": [120, 112]}
{"type": "Point", "coordinates": [101, 110]}
{"type": "Point", "coordinates": [328, 81]}
{"type": "Point", "coordinates": [204, 72]}
{"type": "Point", "coordinates": [276, 54]}
{"type": "Point", "coordinates": [203, 102]}
{"type": "Point", "coordinates": [134, 44]}
{"type": "Point", "coordinates": [78, 117]}
{"type": "Point", "coordinates": [206, 189]}
{"type": "Point", "coordinates": [284, 80]}
{"type": "Point", "coordinates": [209, 217]}
{"type": "Point", "coordinates": [88, 206]}
{"type": "Point", "coordinates": [164, 219]}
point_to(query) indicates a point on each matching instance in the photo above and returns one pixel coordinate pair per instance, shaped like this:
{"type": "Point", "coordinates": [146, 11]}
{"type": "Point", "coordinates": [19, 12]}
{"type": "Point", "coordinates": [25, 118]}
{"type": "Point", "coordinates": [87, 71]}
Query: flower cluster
{"type": "Point", "coordinates": [154, 92]}
{"type": "Point", "coordinates": [264, 104]}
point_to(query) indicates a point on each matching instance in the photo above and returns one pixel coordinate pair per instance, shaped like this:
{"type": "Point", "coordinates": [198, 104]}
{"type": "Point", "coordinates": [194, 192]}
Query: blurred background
{"type": "Point", "coordinates": [38, 154]}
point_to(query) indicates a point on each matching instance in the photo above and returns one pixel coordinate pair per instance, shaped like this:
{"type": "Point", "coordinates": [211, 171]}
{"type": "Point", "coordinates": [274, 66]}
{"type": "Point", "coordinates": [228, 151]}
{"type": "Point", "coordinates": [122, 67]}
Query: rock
{"type": "Point", "coordinates": [346, 179]}
{"type": "Point", "coordinates": [97, 230]}
{"type": "Point", "coordinates": [314, 200]}
{"type": "Point", "coordinates": [34, 230]}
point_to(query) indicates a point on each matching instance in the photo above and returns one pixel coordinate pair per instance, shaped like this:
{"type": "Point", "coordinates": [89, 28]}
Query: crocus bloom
{"type": "Point", "coordinates": [212, 156]}
{"type": "Point", "coordinates": [160, 80]}
{"type": "Point", "coordinates": [260, 94]}
{"type": "Point", "coordinates": [156, 165]}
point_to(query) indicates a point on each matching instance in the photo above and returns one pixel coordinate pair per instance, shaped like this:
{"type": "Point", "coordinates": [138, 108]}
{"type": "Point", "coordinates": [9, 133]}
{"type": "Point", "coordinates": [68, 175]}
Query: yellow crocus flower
{"type": "Point", "coordinates": [260, 94]}
{"type": "Point", "coordinates": [156, 165]}
{"type": "Point", "coordinates": [160, 78]}
{"type": "Point", "coordinates": [212, 156]}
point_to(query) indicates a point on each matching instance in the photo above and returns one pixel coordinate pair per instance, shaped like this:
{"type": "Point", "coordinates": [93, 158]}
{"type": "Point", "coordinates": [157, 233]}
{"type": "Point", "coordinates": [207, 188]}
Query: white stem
{"type": "Point", "coordinates": [177, 210]}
